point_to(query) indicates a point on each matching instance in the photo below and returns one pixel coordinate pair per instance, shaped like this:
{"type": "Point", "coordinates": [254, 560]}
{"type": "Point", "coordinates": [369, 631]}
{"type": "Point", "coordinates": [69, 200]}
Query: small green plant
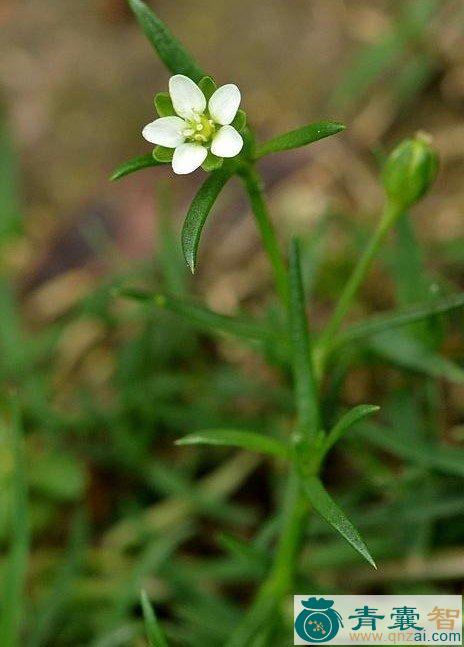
{"type": "Point", "coordinates": [200, 124]}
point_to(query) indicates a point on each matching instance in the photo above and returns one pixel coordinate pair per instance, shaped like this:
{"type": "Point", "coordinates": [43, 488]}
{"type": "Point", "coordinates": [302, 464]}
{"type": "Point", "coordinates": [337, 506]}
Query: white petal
{"type": "Point", "coordinates": [167, 131]}
{"type": "Point", "coordinates": [227, 142]}
{"type": "Point", "coordinates": [188, 157]}
{"type": "Point", "coordinates": [224, 104]}
{"type": "Point", "coordinates": [187, 98]}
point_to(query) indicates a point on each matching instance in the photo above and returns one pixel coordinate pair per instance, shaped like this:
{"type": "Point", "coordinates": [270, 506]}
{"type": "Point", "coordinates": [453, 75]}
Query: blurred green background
{"type": "Point", "coordinates": [96, 501]}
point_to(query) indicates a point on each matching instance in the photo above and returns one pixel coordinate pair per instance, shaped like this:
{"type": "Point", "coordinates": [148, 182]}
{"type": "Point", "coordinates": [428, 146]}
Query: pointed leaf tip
{"type": "Point", "coordinates": [300, 137]}
{"type": "Point", "coordinates": [133, 165]}
{"type": "Point", "coordinates": [155, 634]}
{"type": "Point", "coordinates": [326, 507]}
{"type": "Point", "coordinates": [248, 440]}
{"type": "Point", "coordinates": [347, 421]}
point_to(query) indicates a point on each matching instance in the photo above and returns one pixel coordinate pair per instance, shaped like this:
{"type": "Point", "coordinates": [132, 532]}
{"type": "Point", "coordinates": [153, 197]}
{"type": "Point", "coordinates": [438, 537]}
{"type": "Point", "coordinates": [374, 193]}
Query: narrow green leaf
{"type": "Point", "coordinates": [243, 550]}
{"type": "Point", "coordinates": [10, 207]}
{"type": "Point", "coordinates": [300, 137]}
{"type": "Point", "coordinates": [134, 164]}
{"type": "Point", "coordinates": [409, 353]}
{"type": "Point", "coordinates": [204, 318]}
{"type": "Point", "coordinates": [240, 120]}
{"type": "Point", "coordinates": [162, 154]}
{"type": "Point", "coordinates": [412, 281]}
{"type": "Point", "coordinates": [126, 591]}
{"type": "Point", "coordinates": [155, 634]}
{"type": "Point", "coordinates": [303, 372]}
{"type": "Point", "coordinates": [14, 574]}
{"type": "Point", "coordinates": [324, 505]}
{"type": "Point", "coordinates": [346, 421]}
{"type": "Point", "coordinates": [212, 163]}
{"type": "Point", "coordinates": [163, 104]}
{"type": "Point", "coordinates": [386, 53]}
{"type": "Point", "coordinates": [236, 438]}
{"type": "Point", "coordinates": [208, 86]}
{"type": "Point", "coordinates": [449, 460]}
{"type": "Point", "coordinates": [169, 49]}
{"type": "Point", "coordinates": [198, 212]}
{"type": "Point", "coordinates": [407, 264]}
{"type": "Point", "coordinates": [53, 606]}
{"type": "Point", "coordinates": [391, 320]}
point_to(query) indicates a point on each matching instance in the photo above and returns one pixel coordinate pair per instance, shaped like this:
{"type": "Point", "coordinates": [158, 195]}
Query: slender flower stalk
{"type": "Point", "coordinates": [408, 173]}
{"type": "Point", "coordinates": [392, 212]}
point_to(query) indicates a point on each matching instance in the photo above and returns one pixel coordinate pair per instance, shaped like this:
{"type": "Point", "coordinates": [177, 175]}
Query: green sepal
{"type": "Point", "coordinates": [249, 144]}
{"type": "Point", "coordinates": [208, 86]}
{"type": "Point", "coordinates": [410, 170]}
{"type": "Point", "coordinates": [212, 162]}
{"type": "Point", "coordinates": [240, 120]}
{"type": "Point", "coordinates": [163, 104]}
{"type": "Point", "coordinates": [163, 154]}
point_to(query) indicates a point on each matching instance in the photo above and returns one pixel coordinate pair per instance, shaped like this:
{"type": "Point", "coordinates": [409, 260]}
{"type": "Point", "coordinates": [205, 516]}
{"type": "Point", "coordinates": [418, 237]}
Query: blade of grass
{"type": "Point", "coordinates": [385, 53]}
{"type": "Point", "coordinates": [248, 440]}
{"type": "Point", "coordinates": [391, 320]}
{"type": "Point", "coordinates": [203, 317]}
{"type": "Point", "coordinates": [10, 210]}
{"type": "Point", "coordinates": [149, 562]}
{"type": "Point", "coordinates": [411, 354]}
{"type": "Point", "coordinates": [17, 560]}
{"type": "Point", "coordinates": [53, 607]}
{"type": "Point", "coordinates": [155, 634]}
{"type": "Point", "coordinates": [243, 550]}
{"type": "Point", "coordinates": [440, 458]}
{"type": "Point", "coordinates": [169, 49]}
{"type": "Point", "coordinates": [412, 281]}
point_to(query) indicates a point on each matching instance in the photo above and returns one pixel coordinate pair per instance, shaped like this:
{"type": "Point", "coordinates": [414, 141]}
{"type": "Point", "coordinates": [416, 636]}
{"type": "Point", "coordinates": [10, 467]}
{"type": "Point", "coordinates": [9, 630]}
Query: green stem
{"type": "Point", "coordinates": [253, 184]}
{"type": "Point", "coordinates": [280, 579]}
{"type": "Point", "coordinates": [390, 215]}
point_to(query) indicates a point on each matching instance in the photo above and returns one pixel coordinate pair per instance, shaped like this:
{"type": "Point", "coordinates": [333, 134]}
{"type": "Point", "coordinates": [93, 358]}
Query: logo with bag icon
{"type": "Point", "coordinates": [319, 621]}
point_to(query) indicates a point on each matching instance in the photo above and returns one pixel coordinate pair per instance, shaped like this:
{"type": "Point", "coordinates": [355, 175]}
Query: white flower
{"type": "Point", "coordinates": [199, 126]}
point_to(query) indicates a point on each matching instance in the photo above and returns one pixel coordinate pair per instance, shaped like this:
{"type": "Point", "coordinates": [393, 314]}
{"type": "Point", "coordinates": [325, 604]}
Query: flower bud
{"type": "Point", "coordinates": [410, 170]}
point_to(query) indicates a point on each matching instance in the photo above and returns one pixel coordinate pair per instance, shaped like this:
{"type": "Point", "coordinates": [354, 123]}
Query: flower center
{"type": "Point", "coordinates": [200, 130]}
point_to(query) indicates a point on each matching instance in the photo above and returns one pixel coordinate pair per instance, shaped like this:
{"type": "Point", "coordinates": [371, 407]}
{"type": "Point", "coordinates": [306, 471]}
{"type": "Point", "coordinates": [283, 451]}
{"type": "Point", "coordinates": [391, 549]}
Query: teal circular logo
{"type": "Point", "coordinates": [318, 622]}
